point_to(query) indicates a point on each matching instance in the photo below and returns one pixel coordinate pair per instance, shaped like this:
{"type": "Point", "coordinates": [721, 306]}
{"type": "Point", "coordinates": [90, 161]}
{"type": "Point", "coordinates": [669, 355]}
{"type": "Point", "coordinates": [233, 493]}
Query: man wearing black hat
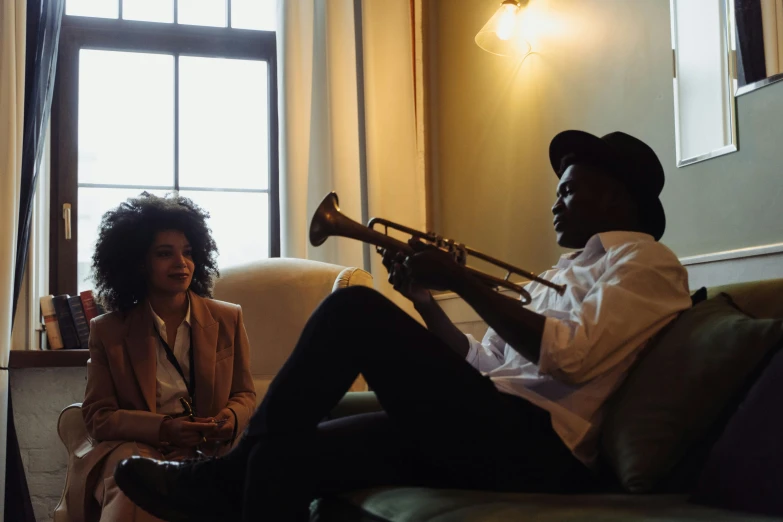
{"type": "Point", "coordinates": [519, 411]}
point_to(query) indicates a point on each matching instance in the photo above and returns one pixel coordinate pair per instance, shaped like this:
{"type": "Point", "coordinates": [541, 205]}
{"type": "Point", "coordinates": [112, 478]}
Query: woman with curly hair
{"type": "Point", "coordinates": [168, 375]}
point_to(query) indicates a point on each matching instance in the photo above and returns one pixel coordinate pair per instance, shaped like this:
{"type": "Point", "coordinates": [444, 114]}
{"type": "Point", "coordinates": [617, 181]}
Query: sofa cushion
{"type": "Point", "coordinates": [680, 386]}
{"type": "Point", "coordinates": [758, 298]}
{"type": "Point", "coordinates": [745, 467]}
{"type": "Point", "coordinates": [445, 505]}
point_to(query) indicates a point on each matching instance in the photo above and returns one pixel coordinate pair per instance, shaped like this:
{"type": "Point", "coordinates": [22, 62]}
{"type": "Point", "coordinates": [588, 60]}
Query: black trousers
{"type": "Point", "coordinates": [444, 424]}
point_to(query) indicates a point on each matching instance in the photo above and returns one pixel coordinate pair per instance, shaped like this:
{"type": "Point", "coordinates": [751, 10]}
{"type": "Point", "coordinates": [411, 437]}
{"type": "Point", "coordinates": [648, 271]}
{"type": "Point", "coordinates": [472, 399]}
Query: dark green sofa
{"type": "Point", "coordinates": [759, 299]}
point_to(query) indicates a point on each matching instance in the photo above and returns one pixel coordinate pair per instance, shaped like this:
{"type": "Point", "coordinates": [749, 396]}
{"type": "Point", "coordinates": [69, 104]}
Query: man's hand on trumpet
{"type": "Point", "coordinates": [414, 275]}
{"type": "Point", "coordinates": [402, 282]}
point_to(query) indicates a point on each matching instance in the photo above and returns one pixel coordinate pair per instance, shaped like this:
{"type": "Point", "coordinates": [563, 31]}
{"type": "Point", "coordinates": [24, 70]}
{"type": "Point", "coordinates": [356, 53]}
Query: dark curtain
{"type": "Point", "coordinates": [750, 42]}
{"type": "Point", "coordinates": [44, 18]}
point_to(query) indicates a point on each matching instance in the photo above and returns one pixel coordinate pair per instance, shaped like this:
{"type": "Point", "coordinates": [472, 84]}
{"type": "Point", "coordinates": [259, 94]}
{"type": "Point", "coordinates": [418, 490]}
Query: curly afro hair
{"type": "Point", "coordinates": [125, 236]}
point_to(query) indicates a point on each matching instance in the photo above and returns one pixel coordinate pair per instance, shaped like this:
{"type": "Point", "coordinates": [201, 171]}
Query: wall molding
{"type": "Point", "coordinates": [735, 266]}
{"type": "Point", "coordinates": [740, 253]}
{"type": "Point", "coordinates": [717, 268]}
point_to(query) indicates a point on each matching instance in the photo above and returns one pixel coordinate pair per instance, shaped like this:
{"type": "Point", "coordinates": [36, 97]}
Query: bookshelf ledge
{"type": "Point", "coordinates": [48, 358]}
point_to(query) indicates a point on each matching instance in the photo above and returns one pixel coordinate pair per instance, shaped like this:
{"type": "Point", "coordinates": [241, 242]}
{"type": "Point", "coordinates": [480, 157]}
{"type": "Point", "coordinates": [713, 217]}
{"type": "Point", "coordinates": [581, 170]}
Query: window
{"type": "Point", "coordinates": [164, 96]}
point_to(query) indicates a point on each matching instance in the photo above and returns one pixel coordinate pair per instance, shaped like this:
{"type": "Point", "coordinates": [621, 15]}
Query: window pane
{"type": "Point", "coordinates": [93, 203]}
{"type": "Point", "coordinates": [223, 123]}
{"type": "Point", "coordinates": [95, 8]}
{"type": "Point", "coordinates": [148, 10]}
{"type": "Point", "coordinates": [254, 14]}
{"type": "Point", "coordinates": [126, 118]}
{"type": "Point", "coordinates": [202, 12]}
{"type": "Point", "coordinates": [239, 223]}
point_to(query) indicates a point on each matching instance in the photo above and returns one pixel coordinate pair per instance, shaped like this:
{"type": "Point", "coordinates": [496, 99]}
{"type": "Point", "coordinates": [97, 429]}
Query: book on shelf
{"type": "Point", "coordinates": [68, 331]}
{"type": "Point", "coordinates": [53, 337]}
{"type": "Point", "coordinates": [91, 310]}
{"type": "Point", "coordinates": [79, 321]}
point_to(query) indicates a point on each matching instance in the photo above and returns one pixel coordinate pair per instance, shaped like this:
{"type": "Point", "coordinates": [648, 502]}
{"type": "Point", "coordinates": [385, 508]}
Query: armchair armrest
{"type": "Point", "coordinates": [72, 430]}
{"type": "Point", "coordinates": [73, 434]}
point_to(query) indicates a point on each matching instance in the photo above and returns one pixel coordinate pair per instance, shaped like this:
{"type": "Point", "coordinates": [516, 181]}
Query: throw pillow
{"type": "Point", "coordinates": [744, 470]}
{"type": "Point", "coordinates": [679, 386]}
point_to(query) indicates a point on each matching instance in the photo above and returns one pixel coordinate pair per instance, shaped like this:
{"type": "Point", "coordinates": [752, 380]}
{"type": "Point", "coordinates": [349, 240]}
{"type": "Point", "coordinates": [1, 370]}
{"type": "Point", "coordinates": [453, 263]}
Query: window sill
{"type": "Point", "coordinates": [48, 358]}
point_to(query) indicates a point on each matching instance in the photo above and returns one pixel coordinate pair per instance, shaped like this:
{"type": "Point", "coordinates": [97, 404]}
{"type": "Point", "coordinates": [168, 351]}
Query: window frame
{"type": "Point", "coordinates": [130, 35]}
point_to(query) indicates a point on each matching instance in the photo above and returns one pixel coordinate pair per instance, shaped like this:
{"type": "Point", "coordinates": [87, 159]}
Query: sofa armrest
{"type": "Point", "coordinates": [355, 403]}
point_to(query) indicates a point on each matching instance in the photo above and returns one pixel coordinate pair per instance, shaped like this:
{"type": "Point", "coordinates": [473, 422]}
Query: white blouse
{"type": "Point", "coordinates": [170, 385]}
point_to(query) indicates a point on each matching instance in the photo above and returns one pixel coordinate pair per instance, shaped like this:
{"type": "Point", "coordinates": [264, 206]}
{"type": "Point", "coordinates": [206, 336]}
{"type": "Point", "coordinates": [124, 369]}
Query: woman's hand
{"type": "Point", "coordinates": [183, 433]}
{"type": "Point", "coordinates": [224, 421]}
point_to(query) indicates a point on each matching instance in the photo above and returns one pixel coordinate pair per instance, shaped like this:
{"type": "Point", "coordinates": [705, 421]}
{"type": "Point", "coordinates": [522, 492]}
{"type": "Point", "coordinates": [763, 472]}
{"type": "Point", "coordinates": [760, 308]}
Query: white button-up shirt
{"type": "Point", "coordinates": [170, 385]}
{"type": "Point", "coordinates": [620, 290]}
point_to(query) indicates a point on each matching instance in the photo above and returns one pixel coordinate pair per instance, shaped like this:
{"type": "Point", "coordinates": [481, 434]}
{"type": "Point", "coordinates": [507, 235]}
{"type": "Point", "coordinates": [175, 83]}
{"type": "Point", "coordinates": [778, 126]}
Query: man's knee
{"type": "Point", "coordinates": [356, 292]}
{"type": "Point", "coordinates": [351, 312]}
{"type": "Point", "coordinates": [356, 299]}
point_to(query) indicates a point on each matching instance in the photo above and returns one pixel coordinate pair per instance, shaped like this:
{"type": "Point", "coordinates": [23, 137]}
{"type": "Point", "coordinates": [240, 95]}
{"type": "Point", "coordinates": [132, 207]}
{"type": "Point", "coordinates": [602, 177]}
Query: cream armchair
{"type": "Point", "coordinates": [277, 297]}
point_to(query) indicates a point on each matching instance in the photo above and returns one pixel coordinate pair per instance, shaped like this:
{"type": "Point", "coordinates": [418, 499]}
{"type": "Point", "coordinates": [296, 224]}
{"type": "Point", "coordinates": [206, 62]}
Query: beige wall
{"type": "Point", "coordinates": [601, 65]}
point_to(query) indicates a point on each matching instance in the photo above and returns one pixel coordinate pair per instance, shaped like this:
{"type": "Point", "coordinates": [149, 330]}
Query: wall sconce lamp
{"type": "Point", "coordinates": [501, 35]}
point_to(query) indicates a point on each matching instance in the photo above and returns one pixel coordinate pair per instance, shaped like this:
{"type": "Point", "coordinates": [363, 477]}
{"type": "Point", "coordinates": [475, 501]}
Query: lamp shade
{"type": "Point", "coordinates": [501, 35]}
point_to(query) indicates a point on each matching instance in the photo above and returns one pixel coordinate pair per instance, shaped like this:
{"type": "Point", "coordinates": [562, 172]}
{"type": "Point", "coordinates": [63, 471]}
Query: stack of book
{"type": "Point", "coordinates": [67, 319]}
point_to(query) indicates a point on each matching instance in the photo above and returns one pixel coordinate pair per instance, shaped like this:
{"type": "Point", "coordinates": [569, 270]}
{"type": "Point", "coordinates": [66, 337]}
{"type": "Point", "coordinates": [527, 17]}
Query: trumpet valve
{"type": "Point", "coordinates": [460, 254]}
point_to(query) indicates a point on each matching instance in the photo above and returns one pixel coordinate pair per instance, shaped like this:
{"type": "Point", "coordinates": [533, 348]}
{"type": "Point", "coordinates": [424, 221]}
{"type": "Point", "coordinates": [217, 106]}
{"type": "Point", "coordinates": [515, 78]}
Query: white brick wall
{"type": "Point", "coordinates": [39, 394]}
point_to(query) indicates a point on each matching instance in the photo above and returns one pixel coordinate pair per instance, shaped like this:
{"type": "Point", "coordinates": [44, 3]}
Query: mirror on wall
{"type": "Point", "coordinates": [704, 85]}
{"type": "Point", "coordinates": [758, 25]}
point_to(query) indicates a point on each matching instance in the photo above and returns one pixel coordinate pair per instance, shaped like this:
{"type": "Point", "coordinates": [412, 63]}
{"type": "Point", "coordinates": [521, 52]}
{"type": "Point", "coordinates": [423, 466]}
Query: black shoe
{"type": "Point", "coordinates": [179, 491]}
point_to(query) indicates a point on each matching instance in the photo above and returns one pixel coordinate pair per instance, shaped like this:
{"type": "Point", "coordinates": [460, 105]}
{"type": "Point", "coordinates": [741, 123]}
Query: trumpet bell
{"type": "Point", "coordinates": [323, 223]}
{"type": "Point", "coordinates": [329, 221]}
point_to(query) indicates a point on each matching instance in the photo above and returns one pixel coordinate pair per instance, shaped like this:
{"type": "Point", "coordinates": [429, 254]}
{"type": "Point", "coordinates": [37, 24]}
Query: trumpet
{"type": "Point", "coordinates": [329, 221]}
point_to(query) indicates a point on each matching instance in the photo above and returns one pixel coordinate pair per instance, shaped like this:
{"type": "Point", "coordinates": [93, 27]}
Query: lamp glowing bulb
{"type": "Point", "coordinates": [501, 34]}
{"type": "Point", "coordinates": [507, 22]}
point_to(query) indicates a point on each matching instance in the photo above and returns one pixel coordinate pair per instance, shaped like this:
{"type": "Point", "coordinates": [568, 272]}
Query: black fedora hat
{"type": "Point", "coordinates": [629, 160]}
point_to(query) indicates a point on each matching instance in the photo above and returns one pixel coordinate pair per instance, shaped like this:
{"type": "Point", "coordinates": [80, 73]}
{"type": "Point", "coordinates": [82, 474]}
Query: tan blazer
{"type": "Point", "coordinates": [119, 404]}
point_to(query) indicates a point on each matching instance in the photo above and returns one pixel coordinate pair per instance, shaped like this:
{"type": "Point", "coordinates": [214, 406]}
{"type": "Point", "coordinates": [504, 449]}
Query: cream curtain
{"type": "Point", "coordinates": [321, 117]}
{"type": "Point", "coordinates": [772, 25]}
{"type": "Point", "coordinates": [12, 66]}
{"type": "Point", "coordinates": [395, 181]}
{"type": "Point", "coordinates": [319, 134]}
